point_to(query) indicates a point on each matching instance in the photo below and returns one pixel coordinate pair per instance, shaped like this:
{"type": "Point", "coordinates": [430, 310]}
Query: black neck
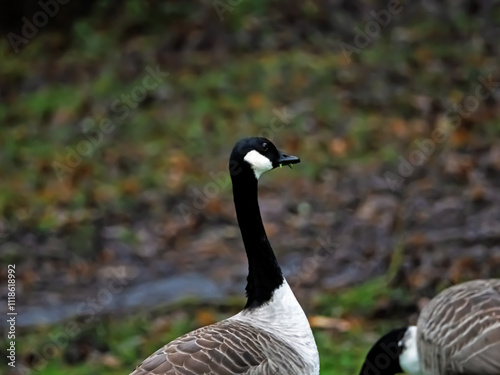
{"type": "Point", "coordinates": [264, 273]}
{"type": "Point", "coordinates": [383, 357]}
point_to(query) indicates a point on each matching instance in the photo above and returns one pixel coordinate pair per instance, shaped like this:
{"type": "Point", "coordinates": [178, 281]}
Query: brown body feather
{"type": "Point", "coordinates": [225, 348]}
{"type": "Point", "coordinates": [459, 330]}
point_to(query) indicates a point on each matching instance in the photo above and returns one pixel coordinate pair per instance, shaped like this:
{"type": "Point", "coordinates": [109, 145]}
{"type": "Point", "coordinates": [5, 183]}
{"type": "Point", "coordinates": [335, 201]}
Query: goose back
{"type": "Point", "coordinates": [225, 348]}
{"type": "Point", "coordinates": [459, 330]}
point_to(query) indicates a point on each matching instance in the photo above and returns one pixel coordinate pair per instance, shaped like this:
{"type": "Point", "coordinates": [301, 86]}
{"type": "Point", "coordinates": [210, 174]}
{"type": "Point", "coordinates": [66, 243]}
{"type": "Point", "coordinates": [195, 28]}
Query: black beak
{"type": "Point", "coordinates": [287, 159]}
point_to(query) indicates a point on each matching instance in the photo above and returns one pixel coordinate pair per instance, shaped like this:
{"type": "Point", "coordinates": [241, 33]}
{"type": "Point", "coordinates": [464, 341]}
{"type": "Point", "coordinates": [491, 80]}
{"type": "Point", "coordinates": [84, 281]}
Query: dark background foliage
{"type": "Point", "coordinates": [117, 119]}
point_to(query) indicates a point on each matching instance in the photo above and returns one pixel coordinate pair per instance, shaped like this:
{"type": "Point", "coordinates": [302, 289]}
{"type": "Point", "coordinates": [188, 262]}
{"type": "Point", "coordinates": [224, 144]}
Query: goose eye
{"type": "Point", "coordinates": [264, 146]}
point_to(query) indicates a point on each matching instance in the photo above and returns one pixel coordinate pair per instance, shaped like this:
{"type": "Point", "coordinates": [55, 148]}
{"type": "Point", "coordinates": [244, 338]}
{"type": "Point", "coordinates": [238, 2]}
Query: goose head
{"type": "Point", "coordinates": [383, 357]}
{"type": "Point", "coordinates": [257, 155]}
{"type": "Point", "coordinates": [394, 353]}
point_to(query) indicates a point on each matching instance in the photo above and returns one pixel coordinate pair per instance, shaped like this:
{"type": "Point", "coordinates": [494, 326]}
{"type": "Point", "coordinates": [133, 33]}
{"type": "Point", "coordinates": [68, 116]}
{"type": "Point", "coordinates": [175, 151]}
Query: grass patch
{"type": "Point", "coordinates": [112, 345]}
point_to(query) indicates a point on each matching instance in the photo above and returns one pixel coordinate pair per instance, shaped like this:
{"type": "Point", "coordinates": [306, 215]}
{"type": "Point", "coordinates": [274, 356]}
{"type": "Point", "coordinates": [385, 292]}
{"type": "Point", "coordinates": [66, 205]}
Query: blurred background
{"type": "Point", "coordinates": [117, 120]}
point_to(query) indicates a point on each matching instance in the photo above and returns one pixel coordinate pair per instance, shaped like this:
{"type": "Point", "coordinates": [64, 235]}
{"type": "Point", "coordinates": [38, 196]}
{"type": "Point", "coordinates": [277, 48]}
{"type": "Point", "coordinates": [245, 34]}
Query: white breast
{"type": "Point", "coordinates": [283, 317]}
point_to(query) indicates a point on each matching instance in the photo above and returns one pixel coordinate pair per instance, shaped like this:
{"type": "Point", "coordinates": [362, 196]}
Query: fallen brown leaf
{"type": "Point", "coordinates": [325, 322]}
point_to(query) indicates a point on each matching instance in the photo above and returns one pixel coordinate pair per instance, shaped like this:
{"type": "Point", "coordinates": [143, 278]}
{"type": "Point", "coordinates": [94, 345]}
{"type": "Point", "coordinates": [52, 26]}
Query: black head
{"type": "Point", "coordinates": [383, 357]}
{"type": "Point", "coordinates": [258, 155]}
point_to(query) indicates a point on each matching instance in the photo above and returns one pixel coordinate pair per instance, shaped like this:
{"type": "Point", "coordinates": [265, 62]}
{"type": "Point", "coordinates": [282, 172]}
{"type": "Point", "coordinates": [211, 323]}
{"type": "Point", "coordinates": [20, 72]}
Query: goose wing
{"type": "Point", "coordinates": [225, 348]}
{"type": "Point", "coordinates": [459, 330]}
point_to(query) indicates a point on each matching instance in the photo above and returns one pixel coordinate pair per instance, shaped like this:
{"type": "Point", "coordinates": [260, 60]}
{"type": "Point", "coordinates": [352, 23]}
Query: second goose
{"type": "Point", "coordinates": [457, 333]}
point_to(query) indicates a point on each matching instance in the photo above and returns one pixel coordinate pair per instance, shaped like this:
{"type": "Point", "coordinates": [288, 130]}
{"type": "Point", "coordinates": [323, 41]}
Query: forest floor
{"type": "Point", "coordinates": [117, 209]}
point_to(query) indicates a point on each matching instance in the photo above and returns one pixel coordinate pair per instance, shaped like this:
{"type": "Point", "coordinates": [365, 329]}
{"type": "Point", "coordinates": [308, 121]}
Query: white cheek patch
{"type": "Point", "coordinates": [258, 162]}
{"type": "Point", "coordinates": [408, 360]}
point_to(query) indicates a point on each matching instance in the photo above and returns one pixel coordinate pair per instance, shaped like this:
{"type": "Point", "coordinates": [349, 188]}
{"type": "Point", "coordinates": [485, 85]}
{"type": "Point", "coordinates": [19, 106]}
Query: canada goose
{"type": "Point", "coordinates": [271, 335]}
{"type": "Point", "coordinates": [457, 333]}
